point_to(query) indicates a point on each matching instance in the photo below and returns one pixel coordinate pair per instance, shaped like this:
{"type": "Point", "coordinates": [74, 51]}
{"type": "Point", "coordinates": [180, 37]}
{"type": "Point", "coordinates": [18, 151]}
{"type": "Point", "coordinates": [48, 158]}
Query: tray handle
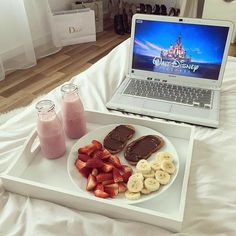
{"type": "Point", "coordinates": [20, 164]}
{"type": "Point", "coordinates": [28, 147]}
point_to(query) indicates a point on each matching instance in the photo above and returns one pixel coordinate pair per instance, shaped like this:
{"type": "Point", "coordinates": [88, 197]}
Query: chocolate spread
{"type": "Point", "coordinates": [118, 137]}
{"type": "Point", "coordinates": [142, 148]}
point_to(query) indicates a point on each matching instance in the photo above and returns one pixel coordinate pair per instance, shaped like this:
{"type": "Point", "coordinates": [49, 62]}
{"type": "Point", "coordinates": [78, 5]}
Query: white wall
{"type": "Point", "coordinates": [60, 5]}
{"type": "Point", "coordinates": [219, 9]}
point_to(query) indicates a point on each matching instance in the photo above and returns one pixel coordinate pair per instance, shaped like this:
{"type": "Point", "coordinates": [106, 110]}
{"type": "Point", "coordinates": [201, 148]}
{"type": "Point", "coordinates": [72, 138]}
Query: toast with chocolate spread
{"type": "Point", "coordinates": [142, 148]}
{"type": "Point", "coordinates": [116, 140]}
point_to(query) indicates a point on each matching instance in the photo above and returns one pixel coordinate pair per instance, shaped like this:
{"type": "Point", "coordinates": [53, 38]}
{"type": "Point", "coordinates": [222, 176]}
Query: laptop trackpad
{"type": "Point", "coordinates": [156, 106]}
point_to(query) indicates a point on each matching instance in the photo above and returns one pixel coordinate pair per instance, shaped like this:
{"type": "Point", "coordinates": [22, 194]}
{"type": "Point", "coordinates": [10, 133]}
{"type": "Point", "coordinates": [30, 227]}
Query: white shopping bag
{"type": "Point", "coordinates": [73, 26]}
{"type": "Point", "coordinates": [97, 7]}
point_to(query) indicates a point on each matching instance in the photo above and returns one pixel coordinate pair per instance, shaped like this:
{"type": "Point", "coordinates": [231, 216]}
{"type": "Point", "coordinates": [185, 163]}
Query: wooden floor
{"type": "Point", "coordinates": [22, 86]}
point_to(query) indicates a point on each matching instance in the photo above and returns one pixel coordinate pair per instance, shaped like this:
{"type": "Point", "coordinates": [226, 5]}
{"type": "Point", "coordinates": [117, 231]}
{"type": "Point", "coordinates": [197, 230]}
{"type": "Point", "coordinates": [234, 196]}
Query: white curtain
{"type": "Point", "coordinates": [25, 34]}
{"type": "Point", "coordinates": [189, 8]}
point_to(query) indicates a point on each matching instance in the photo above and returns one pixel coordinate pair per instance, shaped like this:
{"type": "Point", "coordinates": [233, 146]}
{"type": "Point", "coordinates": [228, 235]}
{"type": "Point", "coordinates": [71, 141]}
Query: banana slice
{"type": "Point", "coordinates": [151, 174]}
{"type": "Point", "coordinates": [143, 166]}
{"type": "Point", "coordinates": [162, 177]}
{"type": "Point", "coordinates": [155, 165]}
{"type": "Point", "coordinates": [151, 184]}
{"type": "Point", "coordinates": [164, 156]}
{"type": "Point", "coordinates": [132, 196]}
{"type": "Point", "coordinates": [135, 185]}
{"type": "Point", "coordinates": [168, 166]}
{"type": "Point", "coordinates": [137, 175]}
{"type": "Point", "coordinates": [145, 191]}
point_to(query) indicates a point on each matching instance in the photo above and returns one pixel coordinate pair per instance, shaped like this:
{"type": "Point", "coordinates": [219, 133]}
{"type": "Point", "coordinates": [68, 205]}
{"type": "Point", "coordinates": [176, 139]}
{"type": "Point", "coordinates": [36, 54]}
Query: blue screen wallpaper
{"type": "Point", "coordinates": [179, 48]}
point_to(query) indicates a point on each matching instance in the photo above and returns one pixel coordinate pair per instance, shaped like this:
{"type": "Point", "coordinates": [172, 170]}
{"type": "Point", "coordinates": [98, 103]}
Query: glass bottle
{"type": "Point", "coordinates": [50, 131]}
{"type": "Point", "coordinates": [72, 109]}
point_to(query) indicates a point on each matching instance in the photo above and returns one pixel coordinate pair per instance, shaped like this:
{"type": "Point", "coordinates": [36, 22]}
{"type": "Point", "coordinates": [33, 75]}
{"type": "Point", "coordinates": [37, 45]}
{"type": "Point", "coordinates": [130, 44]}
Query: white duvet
{"type": "Point", "coordinates": [211, 196]}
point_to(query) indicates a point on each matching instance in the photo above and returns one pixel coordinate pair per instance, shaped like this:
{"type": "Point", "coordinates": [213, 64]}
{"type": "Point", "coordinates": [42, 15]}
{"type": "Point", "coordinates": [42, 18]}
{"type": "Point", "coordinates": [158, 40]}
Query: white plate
{"type": "Point", "coordinates": [99, 134]}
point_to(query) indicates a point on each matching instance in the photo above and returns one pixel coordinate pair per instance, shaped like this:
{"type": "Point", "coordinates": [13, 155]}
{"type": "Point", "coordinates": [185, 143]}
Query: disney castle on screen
{"type": "Point", "coordinates": [179, 48]}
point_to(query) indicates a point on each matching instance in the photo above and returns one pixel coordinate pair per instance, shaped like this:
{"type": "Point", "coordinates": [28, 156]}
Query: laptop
{"type": "Point", "coordinates": [175, 69]}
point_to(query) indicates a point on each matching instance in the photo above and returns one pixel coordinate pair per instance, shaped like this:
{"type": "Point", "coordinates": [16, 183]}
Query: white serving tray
{"type": "Point", "coordinates": [33, 175]}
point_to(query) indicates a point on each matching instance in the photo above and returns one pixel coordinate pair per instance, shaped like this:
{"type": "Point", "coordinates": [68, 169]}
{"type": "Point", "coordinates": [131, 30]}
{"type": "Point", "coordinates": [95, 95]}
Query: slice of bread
{"type": "Point", "coordinates": [116, 140]}
{"type": "Point", "coordinates": [142, 148]}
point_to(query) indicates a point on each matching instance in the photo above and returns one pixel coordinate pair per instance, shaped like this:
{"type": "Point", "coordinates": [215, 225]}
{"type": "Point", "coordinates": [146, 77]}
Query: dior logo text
{"type": "Point", "coordinates": [73, 29]}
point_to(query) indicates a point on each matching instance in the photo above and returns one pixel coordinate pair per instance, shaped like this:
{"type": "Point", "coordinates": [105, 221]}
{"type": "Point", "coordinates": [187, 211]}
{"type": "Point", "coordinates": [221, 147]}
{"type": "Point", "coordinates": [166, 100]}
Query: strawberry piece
{"type": "Point", "coordinates": [107, 167]}
{"type": "Point", "coordinates": [122, 187]}
{"type": "Point", "coordinates": [100, 193]}
{"type": "Point", "coordinates": [94, 172]}
{"type": "Point", "coordinates": [105, 154]}
{"type": "Point", "coordinates": [126, 169]}
{"type": "Point", "coordinates": [106, 182]}
{"type": "Point", "coordinates": [97, 144]}
{"type": "Point", "coordinates": [104, 177]}
{"type": "Point", "coordinates": [91, 182]}
{"type": "Point", "coordinates": [85, 172]}
{"type": "Point", "coordinates": [87, 149]}
{"type": "Point", "coordinates": [115, 161]}
{"type": "Point", "coordinates": [126, 176]}
{"type": "Point", "coordinates": [80, 164]}
{"type": "Point", "coordinates": [102, 154]}
{"type": "Point", "coordinates": [113, 186]}
{"type": "Point", "coordinates": [83, 157]}
{"type": "Point", "coordinates": [112, 190]}
{"type": "Point", "coordinates": [94, 163]}
{"type": "Point", "coordinates": [99, 187]}
{"type": "Point", "coordinates": [98, 154]}
{"type": "Point", "coordinates": [117, 177]}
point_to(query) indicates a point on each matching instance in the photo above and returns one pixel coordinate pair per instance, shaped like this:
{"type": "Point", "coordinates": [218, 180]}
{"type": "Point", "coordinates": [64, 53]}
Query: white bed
{"type": "Point", "coordinates": [211, 196]}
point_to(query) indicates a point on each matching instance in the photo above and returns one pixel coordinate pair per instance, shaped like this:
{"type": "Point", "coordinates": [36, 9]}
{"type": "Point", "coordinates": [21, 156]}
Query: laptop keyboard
{"type": "Point", "coordinates": [169, 92]}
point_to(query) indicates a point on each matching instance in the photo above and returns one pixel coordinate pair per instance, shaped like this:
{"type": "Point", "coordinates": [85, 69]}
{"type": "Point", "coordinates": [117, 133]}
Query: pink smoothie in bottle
{"type": "Point", "coordinates": [73, 116]}
{"type": "Point", "coordinates": [50, 132]}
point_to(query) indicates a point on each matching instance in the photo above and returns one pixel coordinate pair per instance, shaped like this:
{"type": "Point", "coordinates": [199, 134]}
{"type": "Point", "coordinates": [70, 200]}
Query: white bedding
{"type": "Point", "coordinates": [211, 197]}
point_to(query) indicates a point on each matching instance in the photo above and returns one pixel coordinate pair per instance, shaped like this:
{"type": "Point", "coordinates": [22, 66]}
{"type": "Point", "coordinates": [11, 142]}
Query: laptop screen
{"type": "Point", "coordinates": [179, 48]}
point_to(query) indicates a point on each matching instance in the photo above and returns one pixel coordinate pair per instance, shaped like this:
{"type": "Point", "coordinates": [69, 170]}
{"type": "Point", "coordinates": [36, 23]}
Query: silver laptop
{"type": "Point", "coordinates": [175, 70]}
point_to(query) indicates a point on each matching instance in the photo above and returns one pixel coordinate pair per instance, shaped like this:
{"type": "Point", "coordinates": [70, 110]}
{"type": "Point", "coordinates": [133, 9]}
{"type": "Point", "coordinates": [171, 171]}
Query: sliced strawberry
{"type": "Point", "coordinates": [85, 172]}
{"type": "Point", "coordinates": [94, 172]}
{"type": "Point", "coordinates": [101, 194]}
{"type": "Point", "coordinates": [97, 144]}
{"type": "Point", "coordinates": [94, 163]}
{"type": "Point", "coordinates": [122, 187]}
{"type": "Point", "coordinates": [107, 167]}
{"type": "Point", "coordinates": [112, 190]}
{"type": "Point", "coordinates": [98, 154]}
{"type": "Point", "coordinates": [87, 149]}
{"type": "Point", "coordinates": [126, 169]}
{"type": "Point", "coordinates": [126, 176]}
{"type": "Point", "coordinates": [117, 177]}
{"type": "Point", "coordinates": [91, 182]}
{"type": "Point", "coordinates": [115, 161]}
{"type": "Point", "coordinates": [105, 154]}
{"type": "Point", "coordinates": [80, 164]}
{"type": "Point", "coordinates": [104, 177]}
{"type": "Point", "coordinates": [106, 182]}
{"type": "Point", "coordinates": [113, 186]}
{"type": "Point", "coordinates": [83, 157]}
{"type": "Point", "coordinates": [99, 187]}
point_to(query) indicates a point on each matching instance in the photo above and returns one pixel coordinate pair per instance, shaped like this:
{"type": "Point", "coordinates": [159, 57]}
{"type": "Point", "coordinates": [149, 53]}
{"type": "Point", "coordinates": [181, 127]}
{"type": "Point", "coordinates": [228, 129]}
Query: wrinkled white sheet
{"type": "Point", "coordinates": [211, 196]}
